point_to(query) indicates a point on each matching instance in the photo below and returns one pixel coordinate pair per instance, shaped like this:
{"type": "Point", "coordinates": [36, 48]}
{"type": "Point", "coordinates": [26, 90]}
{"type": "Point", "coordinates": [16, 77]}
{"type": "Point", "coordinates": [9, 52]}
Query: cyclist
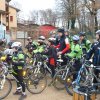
{"type": "Point", "coordinates": [67, 34]}
{"type": "Point", "coordinates": [86, 44]}
{"type": "Point", "coordinates": [18, 61]}
{"type": "Point", "coordinates": [76, 52]}
{"type": "Point", "coordinates": [95, 52]}
{"type": "Point", "coordinates": [32, 45]}
{"type": "Point", "coordinates": [52, 55]}
{"type": "Point", "coordinates": [64, 45]}
{"type": "Point", "coordinates": [9, 45]}
{"type": "Point", "coordinates": [2, 46]}
{"type": "Point", "coordinates": [41, 45]}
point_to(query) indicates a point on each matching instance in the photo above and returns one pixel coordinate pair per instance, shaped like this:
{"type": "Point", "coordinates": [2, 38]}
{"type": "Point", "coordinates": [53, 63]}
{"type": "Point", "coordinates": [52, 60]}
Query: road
{"type": "Point", "coordinates": [50, 93]}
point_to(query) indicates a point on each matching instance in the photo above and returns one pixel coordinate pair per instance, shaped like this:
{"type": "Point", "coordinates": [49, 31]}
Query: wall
{"type": "Point", "coordinates": [13, 24]}
{"type": "Point", "coordinates": [2, 5]}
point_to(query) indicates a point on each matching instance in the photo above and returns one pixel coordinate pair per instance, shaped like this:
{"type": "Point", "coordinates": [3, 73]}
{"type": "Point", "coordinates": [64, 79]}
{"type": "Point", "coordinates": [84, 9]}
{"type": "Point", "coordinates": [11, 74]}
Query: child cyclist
{"type": "Point", "coordinates": [52, 55]}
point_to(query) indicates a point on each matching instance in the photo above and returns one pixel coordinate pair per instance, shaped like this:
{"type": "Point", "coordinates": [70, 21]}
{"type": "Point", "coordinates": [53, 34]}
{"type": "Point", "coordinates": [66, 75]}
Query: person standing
{"type": "Point", "coordinates": [18, 61]}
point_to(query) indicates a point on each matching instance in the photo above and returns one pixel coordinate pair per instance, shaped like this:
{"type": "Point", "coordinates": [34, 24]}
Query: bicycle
{"type": "Point", "coordinates": [64, 75]}
{"type": "Point", "coordinates": [84, 81]}
{"type": "Point", "coordinates": [31, 83]}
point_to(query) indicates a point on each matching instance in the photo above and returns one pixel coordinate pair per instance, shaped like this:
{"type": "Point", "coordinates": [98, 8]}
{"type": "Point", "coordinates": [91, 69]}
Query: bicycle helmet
{"type": "Point", "coordinates": [81, 33]}
{"type": "Point", "coordinates": [75, 38]}
{"type": "Point", "coordinates": [16, 45]}
{"type": "Point", "coordinates": [41, 38]}
{"type": "Point", "coordinates": [98, 32]}
{"type": "Point", "coordinates": [61, 30]}
{"type": "Point", "coordinates": [10, 44]}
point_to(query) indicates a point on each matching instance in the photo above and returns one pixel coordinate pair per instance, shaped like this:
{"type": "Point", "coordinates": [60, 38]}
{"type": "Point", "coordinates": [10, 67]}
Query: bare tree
{"type": "Point", "coordinates": [49, 16]}
{"type": "Point", "coordinates": [93, 6]}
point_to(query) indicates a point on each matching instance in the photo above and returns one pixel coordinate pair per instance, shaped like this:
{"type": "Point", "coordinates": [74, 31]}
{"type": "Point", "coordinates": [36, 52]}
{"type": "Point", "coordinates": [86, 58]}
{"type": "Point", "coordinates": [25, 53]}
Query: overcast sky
{"type": "Point", "coordinates": [29, 5]}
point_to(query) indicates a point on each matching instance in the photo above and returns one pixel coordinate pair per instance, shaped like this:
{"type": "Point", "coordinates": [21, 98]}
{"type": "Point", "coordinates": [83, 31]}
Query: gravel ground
{"type": "Point", "coordinates": [50, 93]}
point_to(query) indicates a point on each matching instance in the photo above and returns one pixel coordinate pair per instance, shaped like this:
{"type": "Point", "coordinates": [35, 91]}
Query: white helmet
{"type": "Point", "coordinates": [76, 38]}
{"type": "Point", "coordinates": [42, 38]}
{"type": "Point", "coordinates": [16, 44]}
{"type": "Point", "coordinates": [51, 39]}
{"type": "Point", "coordinates": [8, 52]}
{"type": "Point", "coordinates": [98, 32]}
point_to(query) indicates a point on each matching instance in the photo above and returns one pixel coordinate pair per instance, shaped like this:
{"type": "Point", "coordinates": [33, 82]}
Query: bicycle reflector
{"type": "Point", "coordinates": [3, 58]}
{"type": "Point", "coordinates": [24, 72]}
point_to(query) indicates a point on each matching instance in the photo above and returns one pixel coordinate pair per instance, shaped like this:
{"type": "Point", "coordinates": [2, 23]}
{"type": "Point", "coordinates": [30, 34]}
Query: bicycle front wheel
{"type": "Point", "coordinates": [58, 80]}
{"type": "Point", "coordinates": [68, 83]}
{"type": "Point", "coordinates": [5, 87]}
{"type": "Point", "coordinates": [36, 83]}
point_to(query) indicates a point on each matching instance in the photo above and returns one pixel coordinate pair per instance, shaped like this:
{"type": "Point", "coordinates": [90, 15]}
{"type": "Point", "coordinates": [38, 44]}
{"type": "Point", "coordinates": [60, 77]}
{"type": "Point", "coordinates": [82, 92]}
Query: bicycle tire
{"type": "Point", "coordinates": [58, 80]}
{"type": "Point", "coordinates": [69, 85]}
{"type": "Point", "coordinates": [9, 90]}
{"type": "Point", "coordinates": [34, 80]}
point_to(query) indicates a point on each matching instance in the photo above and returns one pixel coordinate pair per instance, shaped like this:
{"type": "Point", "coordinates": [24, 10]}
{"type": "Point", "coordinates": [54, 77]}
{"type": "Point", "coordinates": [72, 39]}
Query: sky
{"type": "Point", "coordinates": [29, 5]}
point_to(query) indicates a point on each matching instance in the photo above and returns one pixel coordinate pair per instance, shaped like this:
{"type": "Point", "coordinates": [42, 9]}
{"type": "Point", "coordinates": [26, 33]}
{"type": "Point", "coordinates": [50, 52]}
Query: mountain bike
{"type": "Point", "coordinates": [34, 85]}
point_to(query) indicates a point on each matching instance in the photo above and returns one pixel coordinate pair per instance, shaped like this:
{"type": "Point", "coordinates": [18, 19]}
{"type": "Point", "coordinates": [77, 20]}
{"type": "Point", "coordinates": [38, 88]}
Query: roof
{"type": "Point", "coordinates": [46, 29]}
{"type": "Point", "coordinates": [13, 7]}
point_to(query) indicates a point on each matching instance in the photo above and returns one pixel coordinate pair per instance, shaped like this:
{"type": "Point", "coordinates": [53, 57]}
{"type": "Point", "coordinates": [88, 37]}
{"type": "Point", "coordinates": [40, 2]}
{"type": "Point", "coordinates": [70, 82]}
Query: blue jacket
{"type": "Point", "coordinates": [95, 52]}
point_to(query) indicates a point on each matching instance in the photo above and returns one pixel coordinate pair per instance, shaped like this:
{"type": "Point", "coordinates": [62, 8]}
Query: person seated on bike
{"type": "Point", "coordinates": [67, 34]}
{"type": "Point", "coordinates": [9, 45]}
{"type": "Point", "coordinates": [94, 53]}
{"type": "Point", "coordinates": [76, 52]}
{"type": "Point", "coordinates": [2, 44]}
{"type": "Point", "coordinates": [64, 45]}
{"type": "Point", "coordinates": [32, 45]}
{"type": "Point", "coordinates": [86, 44]}
{"type": "Point", "coordinates": [52, 55]}
{"type": "Point", "coordinates": [18, 62]}
{"type": "Point", "coordinates": [41, 45]}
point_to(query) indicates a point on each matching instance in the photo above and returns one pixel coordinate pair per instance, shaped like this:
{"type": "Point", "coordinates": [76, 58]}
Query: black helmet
{"type": "Point", "coordinates": [10, 44]}
{"type": "Point", "coordinates": [81, 33]}
{"type": "Point", "coordinates": [98, 32]}
{"type": "Point", "coordinates": [61, 30]}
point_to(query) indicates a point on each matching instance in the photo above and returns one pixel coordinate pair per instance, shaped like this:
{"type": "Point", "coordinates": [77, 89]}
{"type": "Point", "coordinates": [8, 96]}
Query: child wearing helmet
{"type": "Point", "coordinates": [18, 61]}
{"type": "Point", "coordinates": [31, 45]}
{"type": "Point", "coordinates": [86, 44]}
{"type": "Point", "coordinates": [52, 55]}
{"type": "Point", "coordinates": [41, 45]}
{"type": "Point", "coordinates": [76, 52]}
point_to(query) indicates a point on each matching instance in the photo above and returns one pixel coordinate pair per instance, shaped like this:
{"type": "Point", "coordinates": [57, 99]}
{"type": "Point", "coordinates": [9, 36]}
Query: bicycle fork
{"type": "Point", "coordinates": [65, 74]}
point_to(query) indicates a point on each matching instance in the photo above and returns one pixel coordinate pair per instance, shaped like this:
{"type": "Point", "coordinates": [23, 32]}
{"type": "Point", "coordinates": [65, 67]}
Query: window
{"type": "Point", "coordinates": [11, 18]}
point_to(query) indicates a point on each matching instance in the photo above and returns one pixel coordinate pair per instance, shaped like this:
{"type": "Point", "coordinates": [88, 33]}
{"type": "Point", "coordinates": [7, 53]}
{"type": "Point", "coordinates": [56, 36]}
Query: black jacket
{"type": "Point", "coordinates": [95, 52]}
{"type": "Point", "coordinates": [51, 52]}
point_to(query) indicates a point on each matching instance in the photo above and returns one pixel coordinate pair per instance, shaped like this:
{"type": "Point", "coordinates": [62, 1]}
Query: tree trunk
{"type": "Point", "coordinates": [96, 24]}
{"type": "Point", "coordinates": [68, 24]}
{"type": "Point", "coordinates": [73, 23]}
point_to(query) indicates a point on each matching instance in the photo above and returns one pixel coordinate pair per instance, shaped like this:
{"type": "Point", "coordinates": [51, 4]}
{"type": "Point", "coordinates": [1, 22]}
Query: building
{"type": "Point", "coordinates": [46, 29]}
{"type": "Point", "coordinates": [26, 29]}
{"type": "Point", "coordinates": [8, 19]}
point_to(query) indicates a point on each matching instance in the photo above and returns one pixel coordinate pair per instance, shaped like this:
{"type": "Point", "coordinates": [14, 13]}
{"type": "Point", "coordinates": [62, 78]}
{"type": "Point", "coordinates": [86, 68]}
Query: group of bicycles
{"type": "Point", "coordinates": [37, 70]}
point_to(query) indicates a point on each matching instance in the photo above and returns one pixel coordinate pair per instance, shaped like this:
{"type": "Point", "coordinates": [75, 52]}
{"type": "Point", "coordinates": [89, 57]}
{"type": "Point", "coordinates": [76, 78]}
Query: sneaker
{"type": "Point", "coordinates": [23, 96]}
{"type": "Point", "coordinates": [17, 93]}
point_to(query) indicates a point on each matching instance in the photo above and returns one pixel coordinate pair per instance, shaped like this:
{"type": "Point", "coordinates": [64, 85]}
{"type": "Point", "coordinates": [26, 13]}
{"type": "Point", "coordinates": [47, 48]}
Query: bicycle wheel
{"type": "Point", "coordinates": [58, 81]}
{"type": "Point", "coordinates": [36, 83]}
{"type": "Point", "coordinates": [6, 88]}
{"type": "Point", "coordinates": [68, 83]}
